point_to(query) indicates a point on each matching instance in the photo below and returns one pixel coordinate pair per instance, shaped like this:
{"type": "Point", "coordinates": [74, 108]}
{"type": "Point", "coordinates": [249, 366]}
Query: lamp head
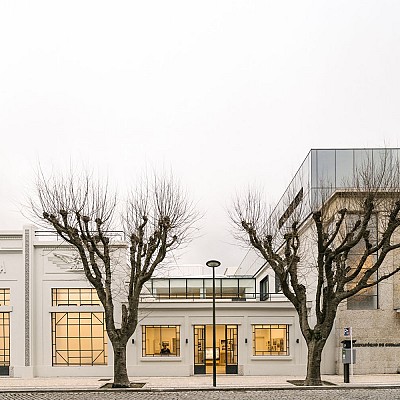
{"type": "Point", "coordinates": [213, 263]}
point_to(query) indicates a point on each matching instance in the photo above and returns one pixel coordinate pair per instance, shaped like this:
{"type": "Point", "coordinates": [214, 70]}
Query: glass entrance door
{"type": "Point", "coordinates": [231, 349]}
{"type": "Point", "coordinates": [199, 349]}
{"type": "Point", "coordinates": [226, 349]}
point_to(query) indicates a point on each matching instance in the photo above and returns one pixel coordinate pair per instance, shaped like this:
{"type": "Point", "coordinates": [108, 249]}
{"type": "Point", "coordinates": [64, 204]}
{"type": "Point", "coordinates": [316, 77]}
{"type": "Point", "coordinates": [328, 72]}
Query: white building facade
{"type": "Point", "coordinates": [52, 323]}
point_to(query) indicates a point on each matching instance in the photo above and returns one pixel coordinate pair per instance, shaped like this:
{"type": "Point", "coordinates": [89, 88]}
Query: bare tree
{"type": "Point", "coordinates": [157, 218]}
{"type": "Point", "coordinates": [353, 231]}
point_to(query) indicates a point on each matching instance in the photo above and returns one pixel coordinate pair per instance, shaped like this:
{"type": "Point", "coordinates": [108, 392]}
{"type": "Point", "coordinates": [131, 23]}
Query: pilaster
{"type": "Point", "coordinates": [28, 257]}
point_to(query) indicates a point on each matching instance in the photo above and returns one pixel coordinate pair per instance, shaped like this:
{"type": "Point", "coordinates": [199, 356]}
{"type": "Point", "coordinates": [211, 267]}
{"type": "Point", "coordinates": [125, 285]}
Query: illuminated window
{"type": "Point", "coordinates": [75, 297]}
{"type": "Point", "coordinates": [161, 340]}
{"type": "Point", "coordinates": [270, 340]}
{"type": "Point", "coordinates": [4, 297]}
{"type": "Point", "coordinates": [4, 339]}
{"type": "Point", "coordinates": [366, 299]}
{"type": "Point", "coordinates": [79, 338]}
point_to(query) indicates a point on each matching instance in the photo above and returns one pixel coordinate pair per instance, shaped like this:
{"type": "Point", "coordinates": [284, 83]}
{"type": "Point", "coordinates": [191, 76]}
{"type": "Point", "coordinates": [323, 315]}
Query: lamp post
{"type": "Point", "coordinates": [214, 264]}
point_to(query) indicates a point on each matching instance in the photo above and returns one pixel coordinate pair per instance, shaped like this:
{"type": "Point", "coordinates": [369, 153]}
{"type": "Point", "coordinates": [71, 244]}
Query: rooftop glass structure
{"type": "Point", "coordinates": [323, 172]}
{"type": "Point", "coordinates": [326, 170]}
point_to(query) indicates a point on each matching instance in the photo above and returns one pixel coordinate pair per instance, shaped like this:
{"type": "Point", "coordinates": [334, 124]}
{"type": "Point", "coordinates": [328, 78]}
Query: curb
{"type": "Point", "coordinates": [200, 389]}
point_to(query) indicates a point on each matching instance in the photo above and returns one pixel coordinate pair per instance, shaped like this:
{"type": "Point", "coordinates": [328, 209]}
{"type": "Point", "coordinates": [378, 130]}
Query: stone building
{"type": "Point", "coordinates": [327, 177]}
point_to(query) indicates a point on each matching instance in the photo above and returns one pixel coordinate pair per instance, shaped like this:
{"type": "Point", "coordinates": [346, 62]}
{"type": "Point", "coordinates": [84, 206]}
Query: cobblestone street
{"type": "Point", "coordinates": [332, 394]}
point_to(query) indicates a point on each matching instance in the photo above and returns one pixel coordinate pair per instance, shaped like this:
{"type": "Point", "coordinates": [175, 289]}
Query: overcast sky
{"type": "Point", "coordinates": [225, 93]}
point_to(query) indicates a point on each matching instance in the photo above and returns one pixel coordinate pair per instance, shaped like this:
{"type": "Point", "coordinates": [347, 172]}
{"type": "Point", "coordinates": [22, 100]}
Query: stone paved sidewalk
{"type": "Point", "coordinates": [191, 383]}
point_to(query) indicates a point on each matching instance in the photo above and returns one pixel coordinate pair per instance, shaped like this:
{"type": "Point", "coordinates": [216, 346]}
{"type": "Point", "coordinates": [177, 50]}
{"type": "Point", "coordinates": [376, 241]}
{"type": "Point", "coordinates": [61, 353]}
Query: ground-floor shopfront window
{"type": "Point", "coordinates": [161, 340]}
{"type": "Point", "coordinates": [79, 338]}
{"type": "Point", "coordinates": [270, 340]}
{"type": "Point", "coordinates": [4, 332]}
{"type": "Point", "coordinates": [4, 343]}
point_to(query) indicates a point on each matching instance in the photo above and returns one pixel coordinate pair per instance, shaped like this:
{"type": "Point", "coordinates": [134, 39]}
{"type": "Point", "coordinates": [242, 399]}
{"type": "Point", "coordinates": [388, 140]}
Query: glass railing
{"type": "Point", "coordinates": [236, 297]}
{"type": "Point", "coordinates": [54, 236]}
{"type": "Point", "coordinates": [201, 288]}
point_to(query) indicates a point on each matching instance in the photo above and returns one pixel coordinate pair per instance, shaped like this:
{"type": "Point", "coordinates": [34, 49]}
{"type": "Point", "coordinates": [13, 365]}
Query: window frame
{"type": "Point", "coordinates": [270, 353]}
{"type": "Point", "coordinates": [4, 297]}
{"type": "Point", "coordinates": [175, 355]}
{"type": "Point", "coordinates": [77, 352]}
{"type": "Point", "coordinates": [359, 300]}
{"type": "Point", "coordinates": [77, 295]}
{"type": "Point", "coordinates": [5, 339]}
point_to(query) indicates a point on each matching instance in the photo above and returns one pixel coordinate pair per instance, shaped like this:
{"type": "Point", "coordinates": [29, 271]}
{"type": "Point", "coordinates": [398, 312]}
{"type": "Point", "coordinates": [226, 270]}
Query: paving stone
{"type": "Point", "coordinates": [348, 394]}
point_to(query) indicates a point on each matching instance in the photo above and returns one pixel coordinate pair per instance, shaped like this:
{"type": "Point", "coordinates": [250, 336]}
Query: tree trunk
{"type": "Point", "coordinates": [315, 348]}
{"type": "Point", "coordinates": [121, 379]}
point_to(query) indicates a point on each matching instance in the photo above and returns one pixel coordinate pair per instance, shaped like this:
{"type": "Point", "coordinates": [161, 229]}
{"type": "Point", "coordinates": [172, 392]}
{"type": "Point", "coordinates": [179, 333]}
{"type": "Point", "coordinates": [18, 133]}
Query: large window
{"type": "Point", "coordinates": [161, 340]}
{"type": "Point", "coordinates": [366, 299]}
{"type": "Point", "coordinates": [4, 297]}
{"type": "Point", "coordinates": [79, 338]}
{"type": "Point", "coordinates": [4, 339]}
{"type": "Point", "coordinates": [270, 340]}
{"type": "Point", "coordinates": [75, 297]}
{"type": "Point", "coordinates": [4, 332]}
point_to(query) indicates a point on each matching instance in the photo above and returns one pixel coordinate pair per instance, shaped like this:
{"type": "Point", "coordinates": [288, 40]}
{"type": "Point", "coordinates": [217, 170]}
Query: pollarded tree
{"type": "Point", "coordinates": [156, 218]}
{"type": "Point", "coordinates": [330, 253]}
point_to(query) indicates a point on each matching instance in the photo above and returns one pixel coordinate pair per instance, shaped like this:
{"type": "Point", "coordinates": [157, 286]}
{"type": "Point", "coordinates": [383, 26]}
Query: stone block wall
{"type": "Point", "coordinates": [377, 331]}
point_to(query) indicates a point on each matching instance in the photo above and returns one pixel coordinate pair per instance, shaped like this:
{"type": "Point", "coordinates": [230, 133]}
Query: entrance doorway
{"type": "Point", "coordinates": [226, 349]}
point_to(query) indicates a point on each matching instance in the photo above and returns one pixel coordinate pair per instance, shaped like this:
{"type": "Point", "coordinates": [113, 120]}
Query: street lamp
{"type": "Point", "coordinates": [214, 264]}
